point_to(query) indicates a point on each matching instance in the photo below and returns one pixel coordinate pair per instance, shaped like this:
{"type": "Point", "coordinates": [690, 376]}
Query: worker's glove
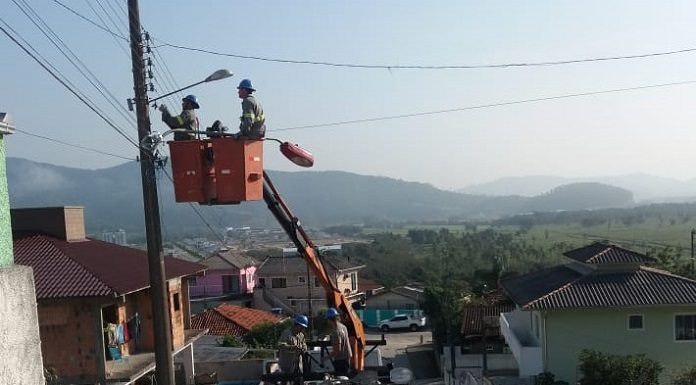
{"type": "Point", "coordinates": [162, 108]}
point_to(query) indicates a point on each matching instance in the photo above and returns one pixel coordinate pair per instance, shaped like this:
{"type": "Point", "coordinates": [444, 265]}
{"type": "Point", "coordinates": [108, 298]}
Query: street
{"type": "Point", "coordinates": [397, 341]}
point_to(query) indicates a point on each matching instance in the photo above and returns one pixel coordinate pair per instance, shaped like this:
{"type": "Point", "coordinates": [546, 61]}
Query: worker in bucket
{"type": "Point", "coordinates": [253, 123]}
{"type": "Point", "coordinates": [292, 345]}
{"type": "Point", "coordinates": [340, 344]}
{"type": "Point", "coordinates": [186, 120]}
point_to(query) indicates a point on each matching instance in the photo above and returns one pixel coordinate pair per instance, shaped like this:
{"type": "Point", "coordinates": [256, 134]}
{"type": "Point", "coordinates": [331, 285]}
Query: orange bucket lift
{"type": "Point", "coordinates": [218, 170]}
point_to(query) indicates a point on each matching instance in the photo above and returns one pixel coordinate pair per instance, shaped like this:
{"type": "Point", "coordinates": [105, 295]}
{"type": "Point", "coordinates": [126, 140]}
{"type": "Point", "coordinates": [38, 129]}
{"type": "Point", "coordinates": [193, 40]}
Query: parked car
{"type": "Point", "coordinates": [402, 321]}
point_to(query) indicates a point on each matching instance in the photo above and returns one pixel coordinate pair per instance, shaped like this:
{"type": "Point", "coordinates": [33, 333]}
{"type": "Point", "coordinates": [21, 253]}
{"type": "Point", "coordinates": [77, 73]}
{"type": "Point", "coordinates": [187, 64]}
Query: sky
{"type": "Point", "coordinates": [640, 131]}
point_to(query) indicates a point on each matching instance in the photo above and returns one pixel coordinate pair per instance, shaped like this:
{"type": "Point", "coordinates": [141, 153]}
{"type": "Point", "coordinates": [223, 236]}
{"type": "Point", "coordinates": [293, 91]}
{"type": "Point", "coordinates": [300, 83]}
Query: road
{"type": "Point", "coordinates": [397, 341]}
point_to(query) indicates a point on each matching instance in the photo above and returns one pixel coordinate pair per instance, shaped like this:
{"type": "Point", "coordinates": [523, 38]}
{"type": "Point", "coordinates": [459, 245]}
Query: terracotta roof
{"type": "Point", "coordinates": [473, 318]}
{"type": "Point", "coordinates": [231, 319]}
{"type": "Point", "coordinates": [226, 259]}
{"type": "Point", "coordinates": [561, 287]}
{"type": "Point", "coordinates": [296, 265]}
{"type": "Point", "coordinates": [366, 284]}
{"type": "Point", "coordinates": [602, 253]}
{"type": "Point", "coordinates": [89, 268]}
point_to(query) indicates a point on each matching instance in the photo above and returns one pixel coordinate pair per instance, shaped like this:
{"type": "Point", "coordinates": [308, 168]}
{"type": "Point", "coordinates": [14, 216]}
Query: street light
{"type": "Point", "coordinates": [6, 125]}
{"type": "Point", "coordinates": [217, 75]}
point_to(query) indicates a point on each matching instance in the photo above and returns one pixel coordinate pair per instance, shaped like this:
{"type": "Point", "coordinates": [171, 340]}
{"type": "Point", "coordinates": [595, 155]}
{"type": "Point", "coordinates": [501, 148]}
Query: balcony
{"type": "Point", "coordinates": [526, 351]}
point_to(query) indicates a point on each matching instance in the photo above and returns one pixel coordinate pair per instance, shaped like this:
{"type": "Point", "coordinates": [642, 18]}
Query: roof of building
{"type": "Point", "coordinates": [274, 266]}
{"type": "Point", "coordinates": [89, 268]}
{"type": "Point", "coordinates": [226, 259]}
{"type": "Point", "coordinates": [366, 285]}
{"type": "Point", "coordinates": [603, 253]}
{"type": "Point", "coordinates": [231, 319]}
{"type": "Point", "coordinates": [404, 291]}
{"type": "Point", "coordinates": [561, 287]}
{"type": "Point", "coordinates": [473, 317]}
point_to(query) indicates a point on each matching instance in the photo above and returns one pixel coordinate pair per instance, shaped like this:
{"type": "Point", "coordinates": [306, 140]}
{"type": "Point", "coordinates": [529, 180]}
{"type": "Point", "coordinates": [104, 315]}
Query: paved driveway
{"type": "Point", "coordinates": [397, 341]}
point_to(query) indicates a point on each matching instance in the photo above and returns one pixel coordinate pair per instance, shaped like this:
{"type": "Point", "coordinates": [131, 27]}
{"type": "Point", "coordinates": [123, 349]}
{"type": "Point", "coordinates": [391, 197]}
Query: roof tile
{"type": "Point", "coordinates": [231, 319]}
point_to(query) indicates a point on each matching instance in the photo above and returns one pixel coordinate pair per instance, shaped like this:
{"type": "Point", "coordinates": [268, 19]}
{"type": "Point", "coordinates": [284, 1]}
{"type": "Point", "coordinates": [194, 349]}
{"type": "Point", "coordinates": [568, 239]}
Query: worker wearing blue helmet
{"type": "Point", "coordinates": [187, 120]}
{"type": "Point", "coordinates": [341, 352]}
{"type": "Point", "coordinates": [292, 345]}
{"type": "Point", "coordinates": [253, 122]}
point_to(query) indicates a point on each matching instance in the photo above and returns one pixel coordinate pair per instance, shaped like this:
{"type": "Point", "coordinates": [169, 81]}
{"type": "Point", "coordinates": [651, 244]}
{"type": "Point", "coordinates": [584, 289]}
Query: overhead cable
{"type": "Point", "coordinates": [482, 106]}
{"type": "Point", "coordinates": [73, 145]}
{"type": "Point", "coordinates": [91, 21]}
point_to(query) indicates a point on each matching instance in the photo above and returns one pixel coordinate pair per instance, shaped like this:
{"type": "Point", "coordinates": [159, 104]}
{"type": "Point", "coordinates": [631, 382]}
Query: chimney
{"type": "Point", "coordinates": [66, 223]}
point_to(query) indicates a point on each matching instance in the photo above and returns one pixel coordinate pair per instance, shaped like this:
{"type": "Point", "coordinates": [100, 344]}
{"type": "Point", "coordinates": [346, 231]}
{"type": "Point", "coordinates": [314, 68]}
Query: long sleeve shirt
{"type": "Point", "coordinates": [253, 122]}
{"type": "Point", "coordinates": [187, 120]}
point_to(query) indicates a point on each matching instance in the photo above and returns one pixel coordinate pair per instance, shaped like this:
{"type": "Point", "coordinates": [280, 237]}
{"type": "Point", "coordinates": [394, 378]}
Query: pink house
{"type": "Point", "coordinates": [228, 273]}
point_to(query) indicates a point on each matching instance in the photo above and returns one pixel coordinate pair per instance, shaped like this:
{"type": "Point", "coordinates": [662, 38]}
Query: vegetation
{"type": "Point", "coordinates": [606, 369]}
{"type": "Point", "coordinates": [548, 378]}
{"type": "Point", "coordinates": [265, 335]}
{"type": "Point", "coordinates": [685, 377]}
{"type": "Point", "coordinates": [231, 341]}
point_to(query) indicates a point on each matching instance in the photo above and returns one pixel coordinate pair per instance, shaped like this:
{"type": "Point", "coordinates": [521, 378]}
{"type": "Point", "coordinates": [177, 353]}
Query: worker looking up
{"type": "Point", "coordinates": [186, 120]}
{"type": "Point", "coordinates": [340, 345]}
{"type": "Point", "coordinates": [253, 123]}
{"type": "Point", "coordinates": [292, 344]}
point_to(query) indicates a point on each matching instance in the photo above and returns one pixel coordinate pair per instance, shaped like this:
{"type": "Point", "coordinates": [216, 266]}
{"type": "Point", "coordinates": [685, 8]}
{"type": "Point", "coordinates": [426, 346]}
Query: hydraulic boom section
{"type": "Point", "coordinates": [306, 248]}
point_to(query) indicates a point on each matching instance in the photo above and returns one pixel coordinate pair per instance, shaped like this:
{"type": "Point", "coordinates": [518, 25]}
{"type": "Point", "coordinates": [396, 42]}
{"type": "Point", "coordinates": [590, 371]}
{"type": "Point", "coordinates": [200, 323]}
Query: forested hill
{"type": "Point", "coordinates": [113, 198]}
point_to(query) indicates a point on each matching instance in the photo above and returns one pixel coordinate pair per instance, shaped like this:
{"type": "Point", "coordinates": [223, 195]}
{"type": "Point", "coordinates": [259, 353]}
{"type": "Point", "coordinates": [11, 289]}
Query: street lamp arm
{"type": "Point", "coordinates": [217, 75]}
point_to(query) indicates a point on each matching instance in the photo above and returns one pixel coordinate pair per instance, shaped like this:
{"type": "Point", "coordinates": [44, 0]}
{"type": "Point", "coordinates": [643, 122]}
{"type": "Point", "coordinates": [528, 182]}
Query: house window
{"type": "Point", "coordinates": [316, 282]}
{"type": "Point", "coordinates": [302, 279]}
{"type": "Point", "coordinates": [192, 281]}
{"type": "Point", "coordinates": [635, 322]}
{"type": "Point", "coordinates": [685, 327]}
{"type": "Point", "coordinates": [293, 303]}
{"type": "Point", "coordinates": [353, 281]}
{"type": "Point", "coordinates": [177, 302]}
{"type": "Point", "coordinates": [279, 283]}
{"type": "Point", "coordinates": [490, 348]}
{"type": "Point", "coordinates": [262, 282]}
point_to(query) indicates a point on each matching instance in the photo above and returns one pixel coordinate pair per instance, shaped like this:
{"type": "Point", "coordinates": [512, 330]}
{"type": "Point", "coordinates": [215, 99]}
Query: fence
{"type": "Point", "coordinates": [372, 317]}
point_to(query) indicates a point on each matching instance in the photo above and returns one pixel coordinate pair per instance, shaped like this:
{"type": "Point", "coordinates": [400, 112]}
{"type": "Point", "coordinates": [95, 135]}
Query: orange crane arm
{"type": "Point", "coordinates": [306, 248]}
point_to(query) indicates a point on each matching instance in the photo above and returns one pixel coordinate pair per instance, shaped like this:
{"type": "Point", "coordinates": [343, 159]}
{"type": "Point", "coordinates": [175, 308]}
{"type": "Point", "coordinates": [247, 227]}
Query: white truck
{"type": "Point", "coordinates": [402, 321]}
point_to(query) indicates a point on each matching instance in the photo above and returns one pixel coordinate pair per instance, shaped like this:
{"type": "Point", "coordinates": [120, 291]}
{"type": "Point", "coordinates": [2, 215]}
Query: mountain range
{"type": "Point", "coordinates": [112, 198]}
{"type": "Point", "coordinates": [645, 187]}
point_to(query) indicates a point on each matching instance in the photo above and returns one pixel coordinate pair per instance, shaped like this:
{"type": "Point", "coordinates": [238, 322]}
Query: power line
{"type": "Point", "coordinates": [482, 106]}
{"type": "Point", "coordinates": [114, 35]}
{"type": "Point", "coordinates": [397, 66]}
{"type": "Point", "coordinates": [73, 145]}
{"type": "Point", "coordinates": [64, 84]}
{"type": "Point", "coordinates": [90, 21]}
{"type": "Point", "coordinates": [425, 67]}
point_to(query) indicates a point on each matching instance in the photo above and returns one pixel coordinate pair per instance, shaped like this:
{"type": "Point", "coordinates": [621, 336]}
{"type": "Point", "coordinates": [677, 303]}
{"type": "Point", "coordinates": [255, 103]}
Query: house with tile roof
{"type": "Point", "coordinates": [606, 299]}
{"type": "Point", "coordinates": [286, 283]}
{"type": "Point", "coordinates": [227, 319]}
{"type": "Point", "coordinates": [228, 273]}
{"type": "Point", "coordinates": [93, 299]}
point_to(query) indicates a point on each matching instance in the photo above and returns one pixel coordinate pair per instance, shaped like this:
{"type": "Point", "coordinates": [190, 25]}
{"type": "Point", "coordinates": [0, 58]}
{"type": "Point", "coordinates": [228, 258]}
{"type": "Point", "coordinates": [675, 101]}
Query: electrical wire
{"type": "Point", "coordinates": [66, 85]}
{"type": "Point", "coordinates": [425, 67]}
{"type": "Point", "coordinates": [482, 106]}
{"type": "Point", "coordinates": [73, 145]}
{"type": "Point", "coordinates": [397, 66]}
{"type": "Point", "coordinates": [114, 35]}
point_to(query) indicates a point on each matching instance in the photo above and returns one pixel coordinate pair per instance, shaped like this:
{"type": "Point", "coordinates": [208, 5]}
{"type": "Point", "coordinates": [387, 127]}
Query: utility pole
{"type": "Point", "coordinates": [158, 290]}
{"type": "Point", "coordinates": [693, 260]}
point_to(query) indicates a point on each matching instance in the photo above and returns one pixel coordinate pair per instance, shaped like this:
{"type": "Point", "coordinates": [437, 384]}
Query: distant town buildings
{"type": "Point", "coordinates": [118, 237]}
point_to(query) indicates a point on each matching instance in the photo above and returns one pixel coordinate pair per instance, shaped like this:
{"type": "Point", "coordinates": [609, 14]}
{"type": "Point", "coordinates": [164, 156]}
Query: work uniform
{"type": "Point", "coordinates": [253, 123]}
{"type": "Point", "coordinates": [291, 347]}
{"type": "Point", "coordinates": [187, 120]}
{"type": "Point", "coordinates": [343, 352]}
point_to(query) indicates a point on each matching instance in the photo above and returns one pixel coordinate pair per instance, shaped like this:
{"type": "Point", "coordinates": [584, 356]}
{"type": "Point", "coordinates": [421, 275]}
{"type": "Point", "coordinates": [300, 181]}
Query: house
{"type": "Point", "coordinates": [369, 287]}
{"type": "Point", "coordinates": [94, 301]}
{"type": "Point", "coordinates": [384, 304]}
{"type": "Point", "coordinates": [481, 329]}
{"type": "Point", "coordinates": [287, 284]}
{"type": "Point", "coordinates": [605, 299]}
{"type": "Point", "coordinates": [234, 320]}
{"type": "Point", "coordinates": [228, 274]}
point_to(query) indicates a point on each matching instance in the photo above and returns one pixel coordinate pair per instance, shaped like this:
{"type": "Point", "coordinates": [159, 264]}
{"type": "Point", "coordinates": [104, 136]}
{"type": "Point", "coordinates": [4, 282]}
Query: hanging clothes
{"type": "Point", "coordinates": [111, 334]}
{"type": "Point", "coordinates": [126, 335]}
{"type": "Point", "coordinates": [119, 334]}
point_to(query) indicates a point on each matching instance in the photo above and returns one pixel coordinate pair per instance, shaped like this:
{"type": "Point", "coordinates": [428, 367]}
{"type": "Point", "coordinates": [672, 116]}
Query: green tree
{"type": "Point", "coordinates": [265, 335]}
{"type": "Point", "coordinates": [607, 369]}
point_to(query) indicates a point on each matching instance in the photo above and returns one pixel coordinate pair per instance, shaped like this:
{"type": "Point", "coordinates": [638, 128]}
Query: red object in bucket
{"type": "Point", "coordinates": [297, 154]}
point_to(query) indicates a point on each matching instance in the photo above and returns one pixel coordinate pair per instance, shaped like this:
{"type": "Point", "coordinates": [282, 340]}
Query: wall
{"type": "Point", "coordinates": [391, 300]}
{"type": "Point", "coordinates": [68, 337]}
{"type": "Point", "coordinates": [20, 356]}
{"type": "Point", "coordinates": [176, 312]}
{"type": "Point", "coordinates": [6, 258]}
{"type": "Point", "coordinates": [210, 285]}
{"type": "Point", "coordinates": [606, 330]}
{"type": "Point", "coordinates": [236, 370]}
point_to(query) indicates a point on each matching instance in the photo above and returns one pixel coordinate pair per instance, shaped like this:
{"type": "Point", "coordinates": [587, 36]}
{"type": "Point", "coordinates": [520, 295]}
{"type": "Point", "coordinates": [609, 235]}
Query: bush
{"type": "Point", "coordinates": [232, 341]}
{"type": "Point", "coordinates": [265, 335]}
{"type": "Point", "coordinates": [686, 377]}
{"type": "Point", "coordinates": [607, 369]}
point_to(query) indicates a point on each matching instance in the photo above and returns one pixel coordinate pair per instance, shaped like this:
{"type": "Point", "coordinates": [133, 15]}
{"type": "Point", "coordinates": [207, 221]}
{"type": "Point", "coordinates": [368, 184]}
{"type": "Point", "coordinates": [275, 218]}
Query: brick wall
{"type": "Point", "coordinates": [176, 311]}
{"type": "Point", "coordinates": [68, 338]}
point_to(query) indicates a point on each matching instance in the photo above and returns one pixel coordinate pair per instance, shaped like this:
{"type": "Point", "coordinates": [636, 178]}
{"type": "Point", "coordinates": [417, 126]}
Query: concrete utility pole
{"type": "Point", "coordinates": [158, 289]}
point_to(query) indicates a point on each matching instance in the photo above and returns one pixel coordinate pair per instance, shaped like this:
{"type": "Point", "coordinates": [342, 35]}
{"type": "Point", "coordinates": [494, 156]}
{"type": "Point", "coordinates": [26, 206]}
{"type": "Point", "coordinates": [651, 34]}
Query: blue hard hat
{"type": "Point", "coordinates": [191, 99]}
{"type": "Point", "coordinates": [246, 83]}
{"type": "Point", "coordinates": [331, 313]}
{"type": "Point", "coordinates": [302, 320]}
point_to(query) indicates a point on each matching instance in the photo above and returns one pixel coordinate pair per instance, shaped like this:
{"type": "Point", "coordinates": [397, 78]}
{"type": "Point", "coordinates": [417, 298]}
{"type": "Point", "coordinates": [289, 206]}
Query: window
{"type": "Point", "coordinates": [177, 302]}
{"type": "Point", "coordinates": [293, 302]}
{"type": "Point", "coordinates": [302, 279]}
{"type": "Point", "coordinates": [685, 327]}
{"type": "Point", "coordinates": [279, 283]}
{"type": "Point", "coordinates": [400, 318]}
{"type": "Point", "coordinates": [262, 282]}
{"type": "Point", "coordinates": [192, 281]}
{"type": "Point", "coordinates": [490, 348]}
{"type": "Point", "coordinates": [316, 282]}
{"type": "Point", "coordinates": [635, 322]}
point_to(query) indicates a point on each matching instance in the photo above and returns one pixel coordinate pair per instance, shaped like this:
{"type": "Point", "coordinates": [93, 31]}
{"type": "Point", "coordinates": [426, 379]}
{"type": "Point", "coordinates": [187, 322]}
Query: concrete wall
{"type": "Point", "coordinates": [20, 356]}
{"type": "Point", "coordinates": [6, 258]}
{"type": "Point", "coordinates": [391, 300]}
{"type": "Point", "coordinates": [606, 330]}
{"type": "Point", "coordinates": [239, 370]}
{"type": "Point", "coordinates": [66, 223]}
{"type": "Point", "coordinates": [176, 311]}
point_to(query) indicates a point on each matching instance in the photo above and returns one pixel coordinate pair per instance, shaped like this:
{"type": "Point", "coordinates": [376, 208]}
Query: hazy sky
{"type": "Point", "coordinates": [650, 130]}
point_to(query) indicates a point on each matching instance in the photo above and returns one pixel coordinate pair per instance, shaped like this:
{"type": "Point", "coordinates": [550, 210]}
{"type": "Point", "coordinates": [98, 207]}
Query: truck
{"type": "Point", "coordinates": [403, 321]}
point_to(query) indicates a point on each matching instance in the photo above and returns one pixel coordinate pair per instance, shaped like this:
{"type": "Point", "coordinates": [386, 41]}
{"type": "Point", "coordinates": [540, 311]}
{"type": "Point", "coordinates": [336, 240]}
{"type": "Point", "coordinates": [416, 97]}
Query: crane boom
{"type": "Point", "coordinates": [306, 248]}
